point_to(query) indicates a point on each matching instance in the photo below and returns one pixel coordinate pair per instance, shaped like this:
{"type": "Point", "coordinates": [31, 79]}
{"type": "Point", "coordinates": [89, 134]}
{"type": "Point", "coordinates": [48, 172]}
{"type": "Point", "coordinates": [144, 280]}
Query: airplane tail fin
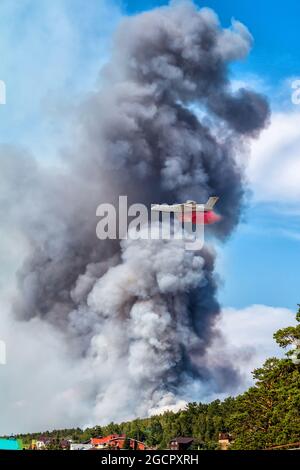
{"type": "Point", "coordinates": [211, 203]}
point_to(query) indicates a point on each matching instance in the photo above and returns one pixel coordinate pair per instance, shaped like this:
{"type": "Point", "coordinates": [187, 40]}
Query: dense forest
{"type": "Point", "coordinates": [266, 415]}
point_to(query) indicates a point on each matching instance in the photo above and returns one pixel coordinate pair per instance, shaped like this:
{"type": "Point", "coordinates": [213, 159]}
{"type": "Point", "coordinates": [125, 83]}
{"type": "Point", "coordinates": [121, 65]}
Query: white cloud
{"type": "Point", "coordinates": [274, 167]}
{"type": "Point", "coordinates": [248, 338]}
{"type": "Point", "coordinates": [41, 387]}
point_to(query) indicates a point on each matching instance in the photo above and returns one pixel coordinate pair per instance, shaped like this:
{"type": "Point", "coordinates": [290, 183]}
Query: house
{"type": "Point", "coordinates": [11, 444]}
{"type": "Point", "coordinates": [103, 442]}
{"type": "Point", "coordinates": [181, 443]}
{"type": "Point", "coordinates": [41, 443]}
{"type": "Point", "coordinates": [74, 446]}
{"type": "Point", "coordinates": [224, 440]}
{"type": "Point", "coordinates": [134, 444]}
{"type": "Point", "coordinates": [64, 444]}
{"type": "Point", "coordinates": [116, 441]}
{"type": "Point", "coordinates": [291, 446]}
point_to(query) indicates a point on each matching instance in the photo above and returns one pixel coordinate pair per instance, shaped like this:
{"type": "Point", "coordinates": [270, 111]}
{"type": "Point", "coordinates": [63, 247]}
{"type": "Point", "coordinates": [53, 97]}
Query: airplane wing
{"type": "Point", "coordinates": [167, 208]}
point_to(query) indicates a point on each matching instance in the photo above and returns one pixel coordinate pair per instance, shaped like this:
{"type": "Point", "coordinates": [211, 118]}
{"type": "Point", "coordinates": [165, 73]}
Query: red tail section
{"type": "Point", "coordinates": [206, 218]}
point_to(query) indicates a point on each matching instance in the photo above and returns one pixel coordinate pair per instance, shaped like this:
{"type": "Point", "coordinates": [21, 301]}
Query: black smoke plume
{"type": "Point", "coordinates": [164, 126]}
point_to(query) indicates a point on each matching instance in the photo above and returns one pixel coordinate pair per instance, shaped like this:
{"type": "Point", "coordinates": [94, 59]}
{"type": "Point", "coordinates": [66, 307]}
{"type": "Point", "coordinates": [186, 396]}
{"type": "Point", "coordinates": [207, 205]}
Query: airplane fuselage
{"type": "Point", "coordinates": [190, 211]}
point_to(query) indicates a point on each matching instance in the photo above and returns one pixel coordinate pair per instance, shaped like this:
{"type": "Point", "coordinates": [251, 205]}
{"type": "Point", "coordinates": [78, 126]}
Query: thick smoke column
{"type": "Point", "coordinates": [164, 126]}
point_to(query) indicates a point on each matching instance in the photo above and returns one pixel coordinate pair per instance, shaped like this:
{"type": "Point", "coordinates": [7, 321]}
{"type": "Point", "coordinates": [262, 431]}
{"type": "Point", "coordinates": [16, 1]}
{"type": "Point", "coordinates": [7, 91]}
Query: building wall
{"type": "Point", "coordinates": [224, 444]}
{"type": "Point", "coordinates": [74, 446]}
{"type": "Point", "coordinates": [11, 444]}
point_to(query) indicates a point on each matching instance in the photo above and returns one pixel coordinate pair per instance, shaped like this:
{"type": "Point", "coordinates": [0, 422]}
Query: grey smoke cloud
{"type": "Point", "coordinates": [141, 314]}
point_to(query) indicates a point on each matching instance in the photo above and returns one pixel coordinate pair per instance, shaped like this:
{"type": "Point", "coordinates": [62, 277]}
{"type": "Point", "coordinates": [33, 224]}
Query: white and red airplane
{"type": "Point", "coordinates": [190, 211]}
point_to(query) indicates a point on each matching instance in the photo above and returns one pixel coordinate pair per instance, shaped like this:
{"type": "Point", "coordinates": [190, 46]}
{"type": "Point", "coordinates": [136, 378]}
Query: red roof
{"type": "Point", "coordinates": [104, 440]}
{"type": "Point", "coordinates": [116, 440]}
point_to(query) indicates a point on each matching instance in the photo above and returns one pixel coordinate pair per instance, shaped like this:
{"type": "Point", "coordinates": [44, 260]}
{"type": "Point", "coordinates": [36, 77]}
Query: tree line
{"type": "Point", "coordinates": [264, 416]}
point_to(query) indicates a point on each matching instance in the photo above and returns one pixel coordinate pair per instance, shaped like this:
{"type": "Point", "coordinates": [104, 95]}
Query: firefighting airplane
{"type": "Point", "coordinates": [190, 211]}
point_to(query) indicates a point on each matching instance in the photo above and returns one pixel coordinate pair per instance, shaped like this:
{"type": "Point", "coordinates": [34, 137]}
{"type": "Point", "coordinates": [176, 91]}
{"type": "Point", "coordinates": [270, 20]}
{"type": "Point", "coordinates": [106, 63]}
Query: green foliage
{"type": "Point", "coordinates": [266, 415]}
{"type": "Point", "coordinates": [54, 445]}
{"type": "Point", "coordinates": [290, 336]}
{"type": "Point", "coordinates": [127, 444]}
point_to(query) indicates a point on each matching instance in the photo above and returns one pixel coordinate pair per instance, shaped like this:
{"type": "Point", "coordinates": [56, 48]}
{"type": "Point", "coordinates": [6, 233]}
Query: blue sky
{"type": "Point", "coordinates": [274, 25]}
{"type": "Point", "coordinates": [259, 264]}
